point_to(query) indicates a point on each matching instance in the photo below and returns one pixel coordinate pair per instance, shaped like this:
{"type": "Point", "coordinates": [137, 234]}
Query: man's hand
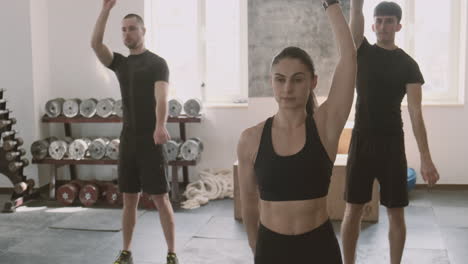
{"type": "Point", "coordinates": [161, 136]}
{"type": "Point", "coordinates": [429, 172]}
{"type": "Point", "coordinates": [108, 4]}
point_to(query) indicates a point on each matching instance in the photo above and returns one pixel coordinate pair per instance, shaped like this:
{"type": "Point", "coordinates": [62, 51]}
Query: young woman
{"type": "Point", "coordinates": [285, 162]}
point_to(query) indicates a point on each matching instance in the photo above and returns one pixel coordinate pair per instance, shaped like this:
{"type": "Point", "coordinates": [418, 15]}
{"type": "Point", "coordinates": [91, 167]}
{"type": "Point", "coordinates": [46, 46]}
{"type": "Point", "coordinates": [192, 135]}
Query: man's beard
{"type": "Point", "coordinates": [131, 46]}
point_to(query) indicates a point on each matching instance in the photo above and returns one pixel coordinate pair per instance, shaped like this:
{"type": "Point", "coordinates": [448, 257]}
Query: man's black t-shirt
{"type": "Point", "coordinates": [137, 75]}
{"type": "Point", "coordinates": [382, 77]}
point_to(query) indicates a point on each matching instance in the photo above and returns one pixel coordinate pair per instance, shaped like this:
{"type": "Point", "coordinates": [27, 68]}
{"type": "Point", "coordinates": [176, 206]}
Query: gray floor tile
{"type": "Point", "coordinates": [451, 216]}
{"type": "Point", "coordinates": [442, 198]}
{"type": "Point", "coordinates": [215, 251]}
{"type": "Point", "coordinates": [155, 249]}
{"type": "Point", "coordinates": [61, 243]}
{"type": "Point", "coordinates": [434, 234]}
{"type": "Point", "coordinates": [456, 240]}
{"type": "Point", "coordinates": [374, 235]}
{"type": "Point", "coordinates": [419, 197]}
{"type": "Point", "coordinates": [185, 224]}
{"type": "Point", "coordinates": [424, 238]}
{"type": "Point", "coordinates": [22, 258]}
{"type": "Point", "coordinates": [94, 219]}
{"type": "Point", "coordinates": [372, 255]}
{"type": "Point", "coordinates": [145, 247]}
{"type": "Point", "coordinates": [415, 216]}
{"type": "Point", "coordinates": [215, 208]}
{"type": "Point", "coordinates": [419, 217]}
{"type": "Point", "coordinates": [7, 242]}
{"type": "Point", "coordinates": [9, 230]}
{"type": "Point", "coordinates": [223, 227]}
{"type": "Point", "coordinates": [37, 218]}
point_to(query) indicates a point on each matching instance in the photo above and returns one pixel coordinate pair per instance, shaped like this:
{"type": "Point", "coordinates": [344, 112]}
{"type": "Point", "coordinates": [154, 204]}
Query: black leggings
{"type": "Point", "coordinates": [317, 246]}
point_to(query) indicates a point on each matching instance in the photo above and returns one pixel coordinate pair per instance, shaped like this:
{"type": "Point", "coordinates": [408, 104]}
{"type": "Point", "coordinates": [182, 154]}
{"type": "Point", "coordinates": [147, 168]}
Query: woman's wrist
{"type": "Point", "coordinates": [327, 3]}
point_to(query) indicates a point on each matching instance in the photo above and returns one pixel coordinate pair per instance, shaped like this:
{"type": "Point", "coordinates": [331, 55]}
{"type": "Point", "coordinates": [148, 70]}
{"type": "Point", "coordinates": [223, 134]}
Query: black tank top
{"type": "Point", "coordinates": [302, 176]}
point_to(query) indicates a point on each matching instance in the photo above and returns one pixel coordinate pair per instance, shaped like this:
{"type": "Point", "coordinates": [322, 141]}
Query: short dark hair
{"type": "Point", "coordinates": [388, 9]}
{"type": "Point", "coordinates": [137, 17]}
{"type": "Point", "coordinates": [304, 58]}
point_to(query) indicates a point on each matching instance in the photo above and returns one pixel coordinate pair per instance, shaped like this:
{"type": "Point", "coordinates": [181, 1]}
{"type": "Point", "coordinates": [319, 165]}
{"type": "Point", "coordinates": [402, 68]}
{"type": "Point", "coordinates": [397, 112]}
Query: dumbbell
{"type": "Point", "coordinates": [193, 107]}
{"type": "Point", "coordinates": [105, 107]}
{"type": "Point", "coordinates": [173, 149]}
{"type": "Point", "coordinates": [40, 148]}
{"type": "Point", "coordinates": [12, 155]}
{"type": "Point", "coordinates": [175, 107]}
{"type": "Point", "coordinates": [10, 144]}
{"type": "Point", "coordinates": [2, 103]}
{"type": "Point", "coordinates": [89, 194]}
{"type": "Point", "coordinates": [97, 148]}
{"type": "Point", "coordinates": [78, 149]}
{"type": "Point", "coordinates": [71, 107]}
{"type": "Point", "coordinates": [112, 149]}
{"type": "Point", "coordinates": [88, 107]}
{"type": "Point", "coordinates": [191, 149]}
{"type": "Point", "coordinates": [21, 187]}
{"type": "Point", "coordinates": [7, 122]}
{"type": "Point", "coordinates": [111, 194]}
{"type": "Point", "coordinates": [4, 113]}
{"type": "Point", "coordinates": [118, 108]}
{"type": "Point", "coordinates": [9, 133]}
{"type": "Point", "coordinates": [68, 193]}
{"type": "Point", "coordinates": [54, 107]}
{"type": "Point", "coordinates": [17, 165]}
{"type": "Point", "coordinates": [58, 149]}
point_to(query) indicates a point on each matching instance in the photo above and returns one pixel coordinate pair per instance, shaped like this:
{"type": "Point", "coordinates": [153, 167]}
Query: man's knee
{"type": "Point", "coordinates": [130, 200]}
{"type": "Point", "coordinates": [354, 211]}
{"type": "Point", "coordinates": [160, 199]}
{"type": "Point", "coordinates": [396, 216]}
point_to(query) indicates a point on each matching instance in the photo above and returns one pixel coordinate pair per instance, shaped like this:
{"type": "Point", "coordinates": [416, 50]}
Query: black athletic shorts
{"type": "Point", "coordinates": [317, 246]}
{"type": "Point", "coordinates": [377, 157]}
{"type": "Point", "coordinates": [142, 165]}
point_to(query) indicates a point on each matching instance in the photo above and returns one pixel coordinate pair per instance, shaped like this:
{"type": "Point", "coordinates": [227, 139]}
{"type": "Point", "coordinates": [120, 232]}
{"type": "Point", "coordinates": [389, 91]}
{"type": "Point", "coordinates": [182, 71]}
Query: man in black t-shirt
{"type": "Point", "coordinates": [143, 78]}
{"type": "Point", "coordinates": [377, 151]}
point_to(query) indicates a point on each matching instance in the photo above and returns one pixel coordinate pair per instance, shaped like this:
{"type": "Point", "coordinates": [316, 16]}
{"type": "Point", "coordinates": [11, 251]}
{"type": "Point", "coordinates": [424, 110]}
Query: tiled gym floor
{"type": "Point", "coordinates": [437, 227]}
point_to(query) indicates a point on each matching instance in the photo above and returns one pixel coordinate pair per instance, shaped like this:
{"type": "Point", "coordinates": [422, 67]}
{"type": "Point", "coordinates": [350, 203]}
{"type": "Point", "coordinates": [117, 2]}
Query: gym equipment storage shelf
{"type": "Point", "coordinates": [181, 120]}
{"type": "Point", "coordinates": [104, 162]}
{"type": "Point", "coordinates": [113, 119]}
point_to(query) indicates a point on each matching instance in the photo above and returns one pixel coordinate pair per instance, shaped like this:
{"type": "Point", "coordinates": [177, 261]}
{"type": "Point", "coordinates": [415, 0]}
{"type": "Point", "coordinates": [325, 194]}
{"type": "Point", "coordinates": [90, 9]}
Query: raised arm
{"type": "Point", "coordinates": [248, 187]}
{"type": "Point", "coordinates": [333, 113]}
{"type": "Point", "coordinates": [102, 51]}
{"type": "Point", "coordinates": [356, 21]}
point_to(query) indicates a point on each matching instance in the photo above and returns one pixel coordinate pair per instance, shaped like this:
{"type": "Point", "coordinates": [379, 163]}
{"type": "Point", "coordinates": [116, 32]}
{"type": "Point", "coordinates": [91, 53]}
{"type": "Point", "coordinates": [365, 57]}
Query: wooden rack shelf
{"type": "Point", "coordinates": [111, 119]}
{"type": "Point", "coordinates": [66, 121]}
{"type": "Point", "coordinates": [103, 162]}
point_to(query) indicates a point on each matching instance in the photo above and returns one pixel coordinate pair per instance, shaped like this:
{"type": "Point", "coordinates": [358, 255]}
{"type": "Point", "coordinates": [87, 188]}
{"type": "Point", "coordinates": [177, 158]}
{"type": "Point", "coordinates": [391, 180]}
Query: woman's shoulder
{"type": "Point", "coordinates": [253, 133]}
{"type": "Point", "coordinates": [250, 138]}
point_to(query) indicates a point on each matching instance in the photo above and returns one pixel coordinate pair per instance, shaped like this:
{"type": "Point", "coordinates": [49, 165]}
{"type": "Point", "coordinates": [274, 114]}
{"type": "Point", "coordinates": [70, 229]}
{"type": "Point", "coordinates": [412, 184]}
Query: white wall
{"type": "Point", "coordinates": [41, 72]}
{"type": "Point", "coordinates": [16, 72]}
{"type": "Point", "coordinates": [65, 66]}
{"type": "Point", "coordinates": [447, 128]}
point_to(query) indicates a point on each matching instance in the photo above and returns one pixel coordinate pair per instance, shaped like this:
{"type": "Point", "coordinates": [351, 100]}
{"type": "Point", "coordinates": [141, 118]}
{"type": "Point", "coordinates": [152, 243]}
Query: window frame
{"type": "Point", "coordinates": [209, 98]}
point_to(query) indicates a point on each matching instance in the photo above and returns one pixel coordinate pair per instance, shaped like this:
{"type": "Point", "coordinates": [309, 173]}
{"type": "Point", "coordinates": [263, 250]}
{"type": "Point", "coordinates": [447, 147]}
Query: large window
{"type": "Point", "coordinates": [433, 34]}
{"type": "Point", "coordinates": [204, 43]}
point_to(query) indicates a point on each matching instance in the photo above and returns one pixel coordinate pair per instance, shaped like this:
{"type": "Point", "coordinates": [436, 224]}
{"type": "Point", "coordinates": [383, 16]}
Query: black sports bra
{"type": "Point", "coordinates": [302, 176]}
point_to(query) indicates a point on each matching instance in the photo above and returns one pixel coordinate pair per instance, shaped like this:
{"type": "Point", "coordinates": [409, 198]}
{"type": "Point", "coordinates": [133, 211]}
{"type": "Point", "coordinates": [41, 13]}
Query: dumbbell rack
{"type": "Point", "coordinates": [17, 177]}
{"type": "Point", "coordinates": [175, 165]}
